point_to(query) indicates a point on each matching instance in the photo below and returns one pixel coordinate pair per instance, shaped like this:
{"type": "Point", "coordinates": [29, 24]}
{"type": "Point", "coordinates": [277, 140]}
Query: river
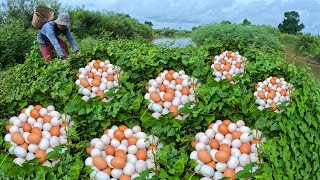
{"type": "Point", "coordinates": [174, 42]}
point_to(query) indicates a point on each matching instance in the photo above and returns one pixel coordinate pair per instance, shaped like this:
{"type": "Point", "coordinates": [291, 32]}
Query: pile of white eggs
{"type": "Point", "coordinates": [272, 92]}
{"type": "Point", "coordinates": [169, 92]}
{"type": "Point", "coordinates": [35, 132]}
{"type": "Point", "coordinates": [122, 153]}
{"type": "Point", "coordinates": [97, 78]}
{"type": "Point", "coordinates": [227, 65]}
{"type": "Point", "coordinates": [225, 148]}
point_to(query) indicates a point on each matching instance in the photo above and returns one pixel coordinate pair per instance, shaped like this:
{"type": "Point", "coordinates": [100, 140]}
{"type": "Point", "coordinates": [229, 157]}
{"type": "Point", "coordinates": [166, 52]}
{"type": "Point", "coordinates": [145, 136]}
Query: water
{"type": "Point", "coordinates": [174, 42]}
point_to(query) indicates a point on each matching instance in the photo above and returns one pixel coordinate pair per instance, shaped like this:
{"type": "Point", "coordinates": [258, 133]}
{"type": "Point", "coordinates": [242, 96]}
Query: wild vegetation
{"type": "Point", "coordinates": [292, 147]}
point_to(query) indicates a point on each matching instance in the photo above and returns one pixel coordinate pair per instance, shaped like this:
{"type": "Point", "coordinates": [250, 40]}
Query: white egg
{"type": "Point", "coordinates": [14, 129]}
{"type": "Point", "coordinates": [116, 173]}
{"type": "Point", "coordinates": [23, 117]}
{"type": "Point", "coordinates": [99, 145]}
{"type": "Point", "coordinates": [221, 167]}
{"type": "Point", "coordinates": [204, 139]}
{"type": "Point", "coordinates": [44, 144]}
{"type": "Point", "coordinates": [105, 139]}
{"type": "Point", "coordinates": [140, 135]}
{"type": "Point", "coordinates": [115, 143]}
{"type": "Point", "coordinates": [213, 154]}
{"type": "Point", "coordinates": [128, 133]}
{"type": "Point", "coordinates": [20, 152]}
{"type": "Point", "coordinates": [54, 141]}
{"type": "Point", "coordinates": [129, 169]}
{"type": "Point", "coordinates": [219, 137]}
{"type": "Point", "coordinates": [19, 161]}
{"type": "Point", "coordinates": [140, 166]}
{"type": "Point", "coordinates": [244, 159]}
{"type": "Point", "coordinates": [30, 156]}
{"type": "Point", "coordinates": [131, 158]}
{"type": "Point", "coordinates": [233, 162]}
{"type": "Point", "coordinates": [200, 146]}
{"type": "Point", "coordinates": [210, 133]}
{"type": "Point", "coordinates": [136, 129]}
{"type": "Point", "coordinates": [235, 152]}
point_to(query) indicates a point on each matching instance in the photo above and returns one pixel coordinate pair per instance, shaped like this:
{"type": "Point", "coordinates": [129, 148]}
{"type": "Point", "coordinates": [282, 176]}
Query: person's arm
{"type": "Point", "coordinates": [54, 41]}
{"type": "Point", "coordinates": [71, 39]}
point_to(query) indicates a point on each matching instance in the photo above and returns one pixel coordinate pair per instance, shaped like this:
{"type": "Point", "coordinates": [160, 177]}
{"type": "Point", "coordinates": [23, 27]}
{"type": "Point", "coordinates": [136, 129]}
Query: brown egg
{"type": "Point", "coordinates": [162, 88]}
{"type": "Point", "coordinates": [185, 91]}
{"type": "Point", "coordinates": [225, 147]}
{"type": "Point", "coordinates": [170, 90]}
{"type": "Point", "coordinates": [236, 134]}
{"type": "Point", "coordinates": [271, 95]}
{"type": "Point", "coordinates": [55, 131]}
{"type": "Point", "coordinates": [64, 125]}
{"type": "Point", "coordinates": [194, 143]}
{"type": "Point", "coordinates": [26, 127]}
{"type": "Point", "coordinates": [110, 77]}
{"type": "Point", "coordinates": [245, 148]}
{"type": "Point", "coordinates": [168, 97]}
{"type": "Point", "coordinates": [210, 125]}
{"type": "Point", "coordinates": [78, 74]}
{"type": "Point", "coordinates": [98, 61]}
{"type": "Point", "coordinates": [273, 91]}
{"type": "Point", "coordinates": [25, 146]}
{"type": "Point", "coordinates": [96, 65]}
{"type": "Point", "coordinates": [35, 113]}
{"type": "Point", "coordinates": [222, 156]}
{"type": "Point", "coordinates": [107, 170]}
{"type": "Point", "coordinates": [223, 129]}
{"type": "Point", "coordinates": [89, 149]}
{"type": "Point", "coordinates": [40, 154]}
{"type": "Point", "coordinates": [261, 94]}
{"type": "Point", "coordinates": [90, 75]}
{"type": "Point", "coordinates": [96, 82]}
{"type": "Point", "coordinates": [161, 103]}
{"type": "Point", "coordinates": [121, 153]}
{"type": "Point", "coordinates": [118, 162]}
{"type": "Point", "coordinates": [89, 87]}
{"type": "Point", "coordinates": [8, 126]}
{"type": "Point", "coordinates": [147, 87]}
{"type": "Point", "coordinates": [46, 119]}
{"type": "Point", "coordinates": [105, 131]}
{"type": "Point", "coordinates": [38, 107]}
{"type": "Point", "coordinates": [256, 141]}
{"type": "Point", "coordinates": [97, 77]}
{"type": "Point", "coordinates": [125, 177]}
{"type": "Point", "coordinates": [99, 162]}
{"type": "Point", "coordinates": [272, 81]}
{"type": "Point", "coordinates": [204, 156]}
{"type": "Point", "coordinates": [110, 150]}
{"type": "Point", "coordinates": [155, 97]}
{"type": "Point", "coordinates": [283, 92]}
{"type": "Point", "coordinates": [36, 130]}
{"type": "Point", "coordinates": [223, 62]}
{"type": "Point", "coordinates": [118, 134]}
{"type": "Point", "coordinates": [179, 80]}
{"type": "Point", "coordinates": [238, 65]}
{"type": "Point", "coordinates": [226, 122]}
{"type": "Point", "coordinates": [273, 105]}
{"type": "Point", "coordinates": [122, 127]}
{"type": "Point", "coordinates": [141, 154]}
{"type": "Point", "coordinates": [169, 77]}
{"type": "Point", "coordinates": [174, 110]}
{"type": "Point", "coordinates": [212, 164]}
{"type": "Point", "coordinates": [227, 67]}
{"type": "Point", "coordinates": [152, 147]}
{"type": "Point", "coordinates": [171, 71]}
{"type": "Point", "coordinates": [23, 110]}
{"type": "Point", "coordinates": [267, 88]}
{"type": "Point", "coordinates": [217, 67]}
{"type": "Point", "coordinates": [230, 173]}
{"type": "Point", "coordinates": [229, 77]}
{"type": "Point", "coordinates": [84, 82]}
{"type": "Point", "coordinates": [100, 94]}
{"type": "Point", "coordinates": [214, 144]}
{"type": "Point", "coordinates": [34, 138]}
{"type": "Point", "coordinates": [17, 138]}
{"type": "Point", "coordinates": [132, 140]}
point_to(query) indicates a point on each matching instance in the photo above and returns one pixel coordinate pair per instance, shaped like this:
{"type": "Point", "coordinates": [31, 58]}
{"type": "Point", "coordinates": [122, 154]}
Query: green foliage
{"type": "Point", "coordinates": [237, 35]}
{"type": "Point", "coordinates": [291, 150]}
{"type": "Point", "coordinates": [15, 42]}
{"type": "Point", "coordinates": [21, 10]}
{"type": "Point", "coordinates": [171, 33]}
{"type": "Point", "coordinates": [94, 23]}
{"type": "Point", "coordinates": [291, 24]}
{"type": "Point", "coordinates": [309, 45]}
{"type": "Point", "coordinates": [246, 22]}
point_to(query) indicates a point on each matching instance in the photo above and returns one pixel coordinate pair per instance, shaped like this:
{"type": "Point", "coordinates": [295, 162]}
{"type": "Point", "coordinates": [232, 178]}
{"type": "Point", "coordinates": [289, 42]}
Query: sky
{"type": "Point", "coordinates": [185, 14]}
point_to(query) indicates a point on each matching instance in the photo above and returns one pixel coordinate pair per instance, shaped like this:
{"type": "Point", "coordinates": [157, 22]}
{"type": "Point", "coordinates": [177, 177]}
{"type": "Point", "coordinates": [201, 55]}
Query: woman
{"type": "Point", "coordinates": [48, 37]}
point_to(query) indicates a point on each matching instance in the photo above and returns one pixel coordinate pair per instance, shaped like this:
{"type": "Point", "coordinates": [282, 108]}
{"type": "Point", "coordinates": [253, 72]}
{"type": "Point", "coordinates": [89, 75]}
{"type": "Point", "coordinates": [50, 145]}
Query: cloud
{"type": "Point", "coordinates": [189, 13]}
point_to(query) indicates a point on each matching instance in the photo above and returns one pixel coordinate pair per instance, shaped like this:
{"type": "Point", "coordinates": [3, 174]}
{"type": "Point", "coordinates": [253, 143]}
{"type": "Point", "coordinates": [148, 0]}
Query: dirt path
{"type": "Point", "coordinates": [292, 57]}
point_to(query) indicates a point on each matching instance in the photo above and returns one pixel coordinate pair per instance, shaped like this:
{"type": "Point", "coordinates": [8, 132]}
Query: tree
{"type": "Point", "coordinates": [246, 22]}
{"type": "Point", "coordinates": [291, 24]}
{"type": "Point", "coordinates": [148, 23]}
{"type": "Point", "coordinates": [225, 22]}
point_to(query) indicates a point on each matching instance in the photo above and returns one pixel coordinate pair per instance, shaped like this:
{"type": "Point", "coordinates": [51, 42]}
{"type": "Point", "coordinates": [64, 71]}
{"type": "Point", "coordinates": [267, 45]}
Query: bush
{"type": "Point", "coordinates": [15, 42]}
{"type": "Point", "coordinates": [237, 35]}
{"type": "Point", "coordinates": [309, 45]}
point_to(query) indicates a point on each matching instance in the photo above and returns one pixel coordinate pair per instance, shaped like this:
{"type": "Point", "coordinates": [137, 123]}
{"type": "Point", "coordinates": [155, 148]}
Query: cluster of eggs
{"type": "Point", "coordinates": [35, 132]}
{"type": "Point", "coordinates": [169, 92]}
{"type": "Point", "coordinates": [224, 148]}
{"type": "Point", "coordinates": [228, 64]}
{"type": "Point", "coordinates": [97, 78]}
{"type": "Point", "coordinates": [122, 153]}
{"type": "Point", "coordinates": [272, 92]}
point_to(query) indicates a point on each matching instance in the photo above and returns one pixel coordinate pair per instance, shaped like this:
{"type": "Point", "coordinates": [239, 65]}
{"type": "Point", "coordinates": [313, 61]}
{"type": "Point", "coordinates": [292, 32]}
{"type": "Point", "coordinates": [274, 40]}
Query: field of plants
{"type": "Point", "coordinates": [290, 148]}
{"type": "Point", "coordinates": [230, 107]}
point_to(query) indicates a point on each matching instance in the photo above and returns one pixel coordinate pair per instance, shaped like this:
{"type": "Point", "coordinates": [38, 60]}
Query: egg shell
{"type": "Point", "coordinates": [118, 162]}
